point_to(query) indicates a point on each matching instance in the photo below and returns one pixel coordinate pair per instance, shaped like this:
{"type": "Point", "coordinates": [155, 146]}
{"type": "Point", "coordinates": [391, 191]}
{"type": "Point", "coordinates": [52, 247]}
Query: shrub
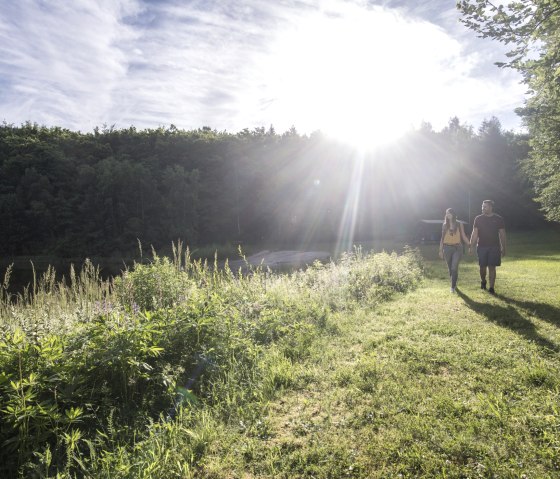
{"type": "Point", "coordinates": [160, 284]}
{"type": "Point", "coordinates": [362, 278]}
{"type": "Point", "coordinates": [166, 338]}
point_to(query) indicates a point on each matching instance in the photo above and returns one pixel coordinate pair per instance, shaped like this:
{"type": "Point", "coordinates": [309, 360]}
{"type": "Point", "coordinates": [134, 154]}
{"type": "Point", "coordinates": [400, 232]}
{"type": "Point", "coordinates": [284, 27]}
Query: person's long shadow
{"type": "Point", "coordinates": [542, 311]}
{"type": "Point", "coordinates": [509, 317]}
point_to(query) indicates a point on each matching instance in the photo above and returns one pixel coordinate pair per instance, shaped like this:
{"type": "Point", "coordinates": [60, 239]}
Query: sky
{"type": "Point", "coordinates": [346, 67]}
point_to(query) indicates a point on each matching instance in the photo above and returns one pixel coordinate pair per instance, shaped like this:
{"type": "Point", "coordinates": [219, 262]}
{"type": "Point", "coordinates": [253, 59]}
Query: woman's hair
{"type": "Point", "coordinates": [450, 225]}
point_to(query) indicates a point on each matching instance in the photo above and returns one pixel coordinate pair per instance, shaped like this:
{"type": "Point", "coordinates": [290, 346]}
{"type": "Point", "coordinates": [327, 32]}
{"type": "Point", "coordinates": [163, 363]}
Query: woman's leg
{"type": "Point", "coordinates": [455, 260]}
{"type": "Point", "coordinates": [448, 252]}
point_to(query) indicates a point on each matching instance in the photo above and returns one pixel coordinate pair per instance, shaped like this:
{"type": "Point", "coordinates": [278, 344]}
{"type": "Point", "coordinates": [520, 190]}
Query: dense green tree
{"type": "Point", "coordinates": [180, 197]}
{"type": "Point", "coordinates": [74, 195]}
{"type": "Point", "coordinates": [532, 27]}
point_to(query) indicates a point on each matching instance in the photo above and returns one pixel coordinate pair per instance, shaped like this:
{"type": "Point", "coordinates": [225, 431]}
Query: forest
{"type": "Point", "coordinates": [73, 194]}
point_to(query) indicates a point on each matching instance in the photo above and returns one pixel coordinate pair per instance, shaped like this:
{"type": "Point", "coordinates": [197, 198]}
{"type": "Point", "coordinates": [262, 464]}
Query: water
{"type": "Point", "coordinates": [25, 269]}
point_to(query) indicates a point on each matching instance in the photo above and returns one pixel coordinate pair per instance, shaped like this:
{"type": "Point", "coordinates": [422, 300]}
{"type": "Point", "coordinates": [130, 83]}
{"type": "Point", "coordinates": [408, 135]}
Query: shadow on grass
{"type": "Point", "coordinates": [535, 257]}
{"type": "Point", "coordinates": [542, 311]}
{"type": "Point", "coordinates": [509, 317]}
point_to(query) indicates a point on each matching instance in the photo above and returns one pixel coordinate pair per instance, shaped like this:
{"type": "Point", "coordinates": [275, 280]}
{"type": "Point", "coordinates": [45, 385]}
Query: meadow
{"type": "Point", "coordinates": [365, 367]}
{"type": "Point", "coordinates": [427, 385]}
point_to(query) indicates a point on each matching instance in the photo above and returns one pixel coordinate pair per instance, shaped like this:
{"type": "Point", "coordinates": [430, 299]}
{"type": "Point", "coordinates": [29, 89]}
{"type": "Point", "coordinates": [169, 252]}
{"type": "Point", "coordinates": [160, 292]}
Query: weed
{"type": "Point", "coordinates": [124, 377]}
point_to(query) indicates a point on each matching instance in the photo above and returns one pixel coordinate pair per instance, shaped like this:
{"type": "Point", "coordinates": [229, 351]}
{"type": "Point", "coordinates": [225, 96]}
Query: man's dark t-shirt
{"type": "Point", "coordinates": [488, 227]}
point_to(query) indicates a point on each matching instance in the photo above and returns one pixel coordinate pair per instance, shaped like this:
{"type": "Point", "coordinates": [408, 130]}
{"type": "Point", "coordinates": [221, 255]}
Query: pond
{"type": "Point", "coordinates": [25, 270]}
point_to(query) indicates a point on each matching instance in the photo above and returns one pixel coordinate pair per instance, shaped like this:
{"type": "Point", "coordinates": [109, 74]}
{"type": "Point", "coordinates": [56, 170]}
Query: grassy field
{"type": "Point", "coordinates": [430, 384]}
{"type": "Point", "coordinates": [348, 370]}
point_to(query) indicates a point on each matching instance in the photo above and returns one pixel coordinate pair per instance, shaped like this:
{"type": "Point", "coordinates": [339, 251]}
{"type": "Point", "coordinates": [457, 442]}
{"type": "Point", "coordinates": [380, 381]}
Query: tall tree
{"type": "Point", "coordinates": [532, 27]}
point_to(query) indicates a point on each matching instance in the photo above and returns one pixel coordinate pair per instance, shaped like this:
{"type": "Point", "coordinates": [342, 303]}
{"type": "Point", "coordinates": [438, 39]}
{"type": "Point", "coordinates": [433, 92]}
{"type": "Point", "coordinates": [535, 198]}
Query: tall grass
{"type": "Point", "coordinates": [116, 378]}
{"type": "Point", "coordinates": [48, 304]}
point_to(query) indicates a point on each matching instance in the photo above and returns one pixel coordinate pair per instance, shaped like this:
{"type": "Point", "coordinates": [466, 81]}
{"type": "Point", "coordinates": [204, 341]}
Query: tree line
{"type": "Point", "coordinates": [71, 194]}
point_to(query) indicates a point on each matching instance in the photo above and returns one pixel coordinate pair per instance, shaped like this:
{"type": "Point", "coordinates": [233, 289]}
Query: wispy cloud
{"type": "Point", "coordinates": [232, 65]}
{"type": "Point", "coordinates": [60, 62]}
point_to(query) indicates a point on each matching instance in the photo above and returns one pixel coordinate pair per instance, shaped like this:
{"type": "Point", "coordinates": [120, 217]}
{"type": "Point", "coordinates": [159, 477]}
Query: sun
{"type": "Point", "coordinates": [362, 76]}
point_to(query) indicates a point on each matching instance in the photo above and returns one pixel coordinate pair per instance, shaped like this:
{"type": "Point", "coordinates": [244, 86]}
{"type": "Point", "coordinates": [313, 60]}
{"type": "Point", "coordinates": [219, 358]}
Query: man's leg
{"type": "Point", "coordinates": [482, 254]}
{"type": "Point", "coordinates": [492, 275]}
{"type": "Point", "coordinates": [494, 260]}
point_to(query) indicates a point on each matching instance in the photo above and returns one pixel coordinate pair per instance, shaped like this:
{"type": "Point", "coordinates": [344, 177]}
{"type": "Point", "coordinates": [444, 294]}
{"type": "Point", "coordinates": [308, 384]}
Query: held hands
{"type": "Point", "coordinates": [441, 253]}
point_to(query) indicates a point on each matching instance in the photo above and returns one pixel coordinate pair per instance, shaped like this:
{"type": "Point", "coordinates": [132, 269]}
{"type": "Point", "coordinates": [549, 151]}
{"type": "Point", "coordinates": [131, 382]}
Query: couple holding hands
{"type": "Point", "coordinates": [489, 237]}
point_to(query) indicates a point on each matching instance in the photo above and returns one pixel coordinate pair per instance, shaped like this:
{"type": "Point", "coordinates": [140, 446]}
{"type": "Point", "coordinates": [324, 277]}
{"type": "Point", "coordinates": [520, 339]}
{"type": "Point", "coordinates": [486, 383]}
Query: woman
{"type": "Point", "coordinates": [451, 244]}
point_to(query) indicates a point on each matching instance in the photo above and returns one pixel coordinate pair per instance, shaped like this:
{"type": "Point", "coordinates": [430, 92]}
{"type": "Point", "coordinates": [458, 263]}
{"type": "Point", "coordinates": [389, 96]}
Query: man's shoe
{"type": "Point", "coordinates": [452, 290]}
{"type": "Point", "coordinates": [483, 285]}
{"type": "Point", "coordinates": [491, 291]}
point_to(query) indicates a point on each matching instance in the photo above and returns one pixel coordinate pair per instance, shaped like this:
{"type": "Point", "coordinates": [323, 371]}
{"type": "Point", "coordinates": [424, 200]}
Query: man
{"type": "Point", "coordinates": [489, 235]}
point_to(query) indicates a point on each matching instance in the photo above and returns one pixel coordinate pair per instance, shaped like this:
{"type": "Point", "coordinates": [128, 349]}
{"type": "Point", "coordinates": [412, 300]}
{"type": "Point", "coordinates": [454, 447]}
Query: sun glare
{"type": "Point", "coordinates": [361, 76]}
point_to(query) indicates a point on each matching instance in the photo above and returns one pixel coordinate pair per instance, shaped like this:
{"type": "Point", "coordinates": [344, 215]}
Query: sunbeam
{"type": "Point", "coordinates": [347, 226]}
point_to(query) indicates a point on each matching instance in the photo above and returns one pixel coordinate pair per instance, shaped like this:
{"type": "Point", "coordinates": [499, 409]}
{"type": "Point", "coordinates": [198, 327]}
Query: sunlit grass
{"type": "Point", "coordinates": [120, 378]}
{"type": "Point", "coordinates": [428, 385]}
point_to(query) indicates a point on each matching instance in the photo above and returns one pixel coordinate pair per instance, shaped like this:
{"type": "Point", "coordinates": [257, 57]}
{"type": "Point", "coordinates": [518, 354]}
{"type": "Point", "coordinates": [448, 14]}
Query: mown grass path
{"type": "Point", "coordinates": [430, 384]}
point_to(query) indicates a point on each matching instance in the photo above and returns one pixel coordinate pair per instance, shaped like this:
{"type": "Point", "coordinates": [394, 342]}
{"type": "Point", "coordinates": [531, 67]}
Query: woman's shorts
{"type": "Point", "coordinates": [489, 256]}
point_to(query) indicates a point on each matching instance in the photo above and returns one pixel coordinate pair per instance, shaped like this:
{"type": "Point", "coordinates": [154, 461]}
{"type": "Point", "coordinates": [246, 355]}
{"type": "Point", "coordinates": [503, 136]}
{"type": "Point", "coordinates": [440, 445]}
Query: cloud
{"type": "Point", "coordinates": [148, 63]}
{"type": "Point", "coordinates": [59, 62]}
{"type": "Point", "coordinates": [479, 89]}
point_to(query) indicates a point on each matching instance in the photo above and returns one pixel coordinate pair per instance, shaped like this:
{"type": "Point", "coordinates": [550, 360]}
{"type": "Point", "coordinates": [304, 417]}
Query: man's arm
{"type": "Point", "coordinates": [502, 235]}
{"type": "Point", "coordinates": [474, 237]}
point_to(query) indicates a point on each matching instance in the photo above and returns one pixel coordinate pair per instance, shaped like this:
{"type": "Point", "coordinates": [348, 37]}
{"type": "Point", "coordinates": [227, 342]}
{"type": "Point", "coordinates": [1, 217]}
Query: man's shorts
{"type": "Point", "coordinates": [489, 256]}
